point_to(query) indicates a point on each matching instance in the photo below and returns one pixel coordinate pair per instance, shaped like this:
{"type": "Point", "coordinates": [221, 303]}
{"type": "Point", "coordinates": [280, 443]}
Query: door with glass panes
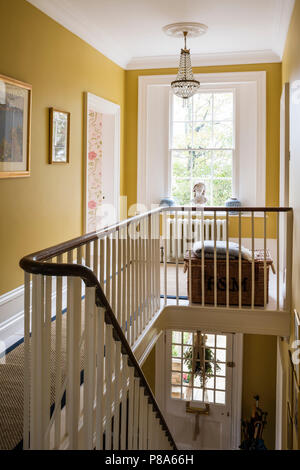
{"type": "Point", "coordinates": [199, 388]}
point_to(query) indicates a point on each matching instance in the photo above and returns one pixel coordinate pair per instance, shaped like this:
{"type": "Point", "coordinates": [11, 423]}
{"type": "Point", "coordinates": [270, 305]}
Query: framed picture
{"type": "Point", "coordinates": [296, 348]}
{"type": "Point", "coordinates": [15, 122]}
{"type": "Point", "coordinates": [59, 136]}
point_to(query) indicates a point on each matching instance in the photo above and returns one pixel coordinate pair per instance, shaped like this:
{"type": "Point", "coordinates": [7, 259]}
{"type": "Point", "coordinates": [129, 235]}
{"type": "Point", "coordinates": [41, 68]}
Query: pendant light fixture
{"type": "Point", "coordinates": [185, 85]}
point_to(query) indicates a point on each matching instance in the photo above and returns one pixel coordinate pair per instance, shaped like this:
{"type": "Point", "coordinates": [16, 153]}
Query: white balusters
{"type": "Point", "coordinates": [100, 312]}
{"type": "Point", "coordinates": [117, 385]}
{"type": "Point", "coordinates": [165, 236]}
{"type": "Point", "coordinates": [128, 289]}
{"type": "Point", "coordinates": [114, 273]}
{"type": "Point", "coordinates": [108, 268]}
{"type": "Point", "coordinates": [37, 425]}
{"type": "Point", "coordinates": [289, 259]}
{"type": "Point", "coordinates": [202, 259]}
{"type": "Point", "coordinates": [215, 260]}
{"type": "Point", "coordinates": [136, 413]}
{"type": "Point", "coordinates": [265, 259]}
{"type": "Point", "coordinates": [108, 376]}
{"type": "Point", "coordinates": [176, 257]}
{"type": "Point", "coordinates": [58, 358]}
{"type": "Point", "coordinates": [124, 402]}
{"type": "Point", "coordinates": [89, 366]}
{"type": "Point", "coordinates": [253, 263]}
{"type": "Point", "coordinates": [227, 260]}
{"type": "Point", "coordinates": [130, 407]}
{"type": "Point", "coordinates": [124, 278]}
{"type": "Point", "coordinates": [73, 361]}
{"type": "Point", "coordinates": [157, 259]}
{"type": "Point", "coordinates": [141, 418]}
{"type": "Point", "coordinates": [27, 371]}
{"type": "Point", "coordinates": [278, 261]}
{"type": "Point", "coordinates": [46, 357]}
{"type": "Point", "coordinates": [240, 260]}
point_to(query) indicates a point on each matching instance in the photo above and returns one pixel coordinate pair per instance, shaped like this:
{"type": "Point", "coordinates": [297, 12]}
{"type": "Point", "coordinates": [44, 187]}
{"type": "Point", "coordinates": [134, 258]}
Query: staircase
{"type": "Point", "coordinates": [90, 302]}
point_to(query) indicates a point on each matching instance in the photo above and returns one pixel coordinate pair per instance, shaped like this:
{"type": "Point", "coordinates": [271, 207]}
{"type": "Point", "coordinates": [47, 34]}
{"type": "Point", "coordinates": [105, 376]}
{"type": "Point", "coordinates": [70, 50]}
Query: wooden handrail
{"type": "Point", "coordinates": [61, 248]}
{"type": "Point", "coordinates": [31, 265]}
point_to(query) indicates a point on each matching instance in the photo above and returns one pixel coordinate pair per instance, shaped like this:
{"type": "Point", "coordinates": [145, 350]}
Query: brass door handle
{"type": "Point", "coordinates": [197, 411]}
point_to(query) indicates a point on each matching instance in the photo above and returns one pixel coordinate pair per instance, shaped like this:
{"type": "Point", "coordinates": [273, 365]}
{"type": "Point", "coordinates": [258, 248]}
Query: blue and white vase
{"type": "Point", "coordinates": [167, 201]}
{"type": "Point", "coordinates": [233, 202]}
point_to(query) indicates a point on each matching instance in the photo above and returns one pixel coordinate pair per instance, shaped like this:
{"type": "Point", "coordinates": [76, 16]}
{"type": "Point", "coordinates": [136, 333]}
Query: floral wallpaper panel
{"type": "Point", "coordinates": [94, 167]}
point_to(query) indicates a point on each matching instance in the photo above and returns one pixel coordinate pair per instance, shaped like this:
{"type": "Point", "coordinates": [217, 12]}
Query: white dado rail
{"type": "Point", "coordinates": [84, 388]}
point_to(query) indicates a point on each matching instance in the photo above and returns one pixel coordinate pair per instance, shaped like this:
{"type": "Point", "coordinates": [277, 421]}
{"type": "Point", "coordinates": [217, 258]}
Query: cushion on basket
{"type": "Point", "coordinates": [209, 249]}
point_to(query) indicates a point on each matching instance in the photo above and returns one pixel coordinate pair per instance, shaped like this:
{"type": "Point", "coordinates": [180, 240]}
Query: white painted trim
{"type": "Point", "coordinates": [11, 303]}
{"type": "Point", "coordinates": [206, 60]}
{"type": "Point", "coordinates": [106, 107]}
{"type": "Point", "coordinates": [237, 390]}
{"type": "Point", "coordinates": [208, 79]}
{"type": "Point", "coordinates": [12, 314]}
{"type": "Point", "coordinates": [160, 376]}
{"type": "Point", "coordinates": [280, 383]}
{"type": "Point", "coordinates": [261, 138]}
{"type": "Point", "coordinates": [149, 348]}
{"type": "Point", "coordinates": [232, 320]}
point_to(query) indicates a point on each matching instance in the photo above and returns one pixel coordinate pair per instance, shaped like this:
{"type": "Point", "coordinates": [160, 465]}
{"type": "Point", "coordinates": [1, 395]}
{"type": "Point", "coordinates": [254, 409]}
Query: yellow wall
{"type": "Point", "coordinates": [46, 208]}
{"type": "Point", "coordinates": [149, 369]}
{"type": "Point", "coordinates": [291, 74]}
{"type": "Point", "coordinates": [273, 115]}
{"type": "Point", "coordinates": [259, 378]}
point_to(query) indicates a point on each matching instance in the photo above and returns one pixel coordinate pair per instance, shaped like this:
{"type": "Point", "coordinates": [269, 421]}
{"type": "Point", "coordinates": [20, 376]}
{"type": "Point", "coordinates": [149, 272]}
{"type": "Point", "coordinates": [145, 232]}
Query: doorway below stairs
{"type": "Point", "coordinates": [202, 404]}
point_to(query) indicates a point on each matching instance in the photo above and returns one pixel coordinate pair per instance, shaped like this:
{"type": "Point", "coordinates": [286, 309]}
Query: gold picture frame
{"type": "Point", "coordinates": [59, 151]}
{"type": "Point", "coordinates": [15, 127]}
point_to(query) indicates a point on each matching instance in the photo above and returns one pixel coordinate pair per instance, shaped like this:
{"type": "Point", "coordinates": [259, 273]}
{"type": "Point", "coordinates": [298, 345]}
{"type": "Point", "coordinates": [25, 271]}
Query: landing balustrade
{"type": "Point", "coordinates": [89, 301]}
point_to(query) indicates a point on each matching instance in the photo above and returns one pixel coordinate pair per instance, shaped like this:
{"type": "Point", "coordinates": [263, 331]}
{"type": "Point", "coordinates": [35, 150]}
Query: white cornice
{"type": "Point", "coordinates": [62, 12]}
{"type": "Point", "coordinates": [202, 60]}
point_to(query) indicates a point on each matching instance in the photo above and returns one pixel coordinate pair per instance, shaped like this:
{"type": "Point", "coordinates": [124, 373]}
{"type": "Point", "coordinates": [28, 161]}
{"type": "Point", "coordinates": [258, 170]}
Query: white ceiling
{"type": "Point", "coordinates": [129, 32]}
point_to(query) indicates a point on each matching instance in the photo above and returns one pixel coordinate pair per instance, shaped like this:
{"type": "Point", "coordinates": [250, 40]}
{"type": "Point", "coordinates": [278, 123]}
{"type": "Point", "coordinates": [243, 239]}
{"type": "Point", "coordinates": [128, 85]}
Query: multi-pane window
{"type": "Point", "coordinates": [193, 381]}
{"type": "Point", "coordinates": [202, 146]}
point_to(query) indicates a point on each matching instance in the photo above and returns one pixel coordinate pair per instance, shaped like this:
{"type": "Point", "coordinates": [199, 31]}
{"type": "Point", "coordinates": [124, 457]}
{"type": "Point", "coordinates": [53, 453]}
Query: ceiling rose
{"type": "Point", "coordinates": [193, 30]}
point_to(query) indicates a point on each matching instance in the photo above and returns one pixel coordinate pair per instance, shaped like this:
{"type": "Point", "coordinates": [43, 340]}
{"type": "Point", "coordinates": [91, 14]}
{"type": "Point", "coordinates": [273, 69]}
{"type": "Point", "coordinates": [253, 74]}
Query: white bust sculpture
{"type": "Point", "coordinates": [199, 194]}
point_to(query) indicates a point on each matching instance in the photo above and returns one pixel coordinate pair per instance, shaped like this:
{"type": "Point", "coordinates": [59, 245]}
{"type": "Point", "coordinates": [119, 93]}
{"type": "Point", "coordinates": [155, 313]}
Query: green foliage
{"type": "Point", "coordinates": [199, 370]}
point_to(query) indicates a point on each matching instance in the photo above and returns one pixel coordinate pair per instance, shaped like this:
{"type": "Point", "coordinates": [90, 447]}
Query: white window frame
{"type": "Point", "coordinates": [210, 79]}
{"type": "Point", "coordinates": [235, 173]}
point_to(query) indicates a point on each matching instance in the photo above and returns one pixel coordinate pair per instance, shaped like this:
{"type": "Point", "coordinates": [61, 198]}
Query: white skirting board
{"type": "Point", "coordinates": [12, 314]}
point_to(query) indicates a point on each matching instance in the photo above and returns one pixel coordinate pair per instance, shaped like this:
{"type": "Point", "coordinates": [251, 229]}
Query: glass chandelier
{"type": "Point", "coordinates": [185, 85]}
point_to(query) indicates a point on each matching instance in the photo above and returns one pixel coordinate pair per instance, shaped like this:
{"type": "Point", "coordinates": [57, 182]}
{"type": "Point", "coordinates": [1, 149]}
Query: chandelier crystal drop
{"type": "Point", "coordinates": [185, 85]}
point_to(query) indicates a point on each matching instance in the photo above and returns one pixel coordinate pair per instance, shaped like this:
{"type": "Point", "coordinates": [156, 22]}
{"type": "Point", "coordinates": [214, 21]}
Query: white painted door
{"type": "Point", "coordinates": [191, 430]}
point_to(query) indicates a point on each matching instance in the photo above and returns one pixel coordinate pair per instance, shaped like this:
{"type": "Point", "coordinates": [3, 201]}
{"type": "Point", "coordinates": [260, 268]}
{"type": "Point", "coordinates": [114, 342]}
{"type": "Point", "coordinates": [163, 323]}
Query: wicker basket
{"type": "Point", "coordinates": [209, 297]}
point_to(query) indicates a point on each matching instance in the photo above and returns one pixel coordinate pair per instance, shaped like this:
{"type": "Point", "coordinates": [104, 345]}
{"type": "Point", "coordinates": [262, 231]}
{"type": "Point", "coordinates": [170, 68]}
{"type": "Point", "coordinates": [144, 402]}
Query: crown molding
{"type": "Point", "coordinates": [202, 60]}
{"type": "Point", "coordinates": [61, 11]}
